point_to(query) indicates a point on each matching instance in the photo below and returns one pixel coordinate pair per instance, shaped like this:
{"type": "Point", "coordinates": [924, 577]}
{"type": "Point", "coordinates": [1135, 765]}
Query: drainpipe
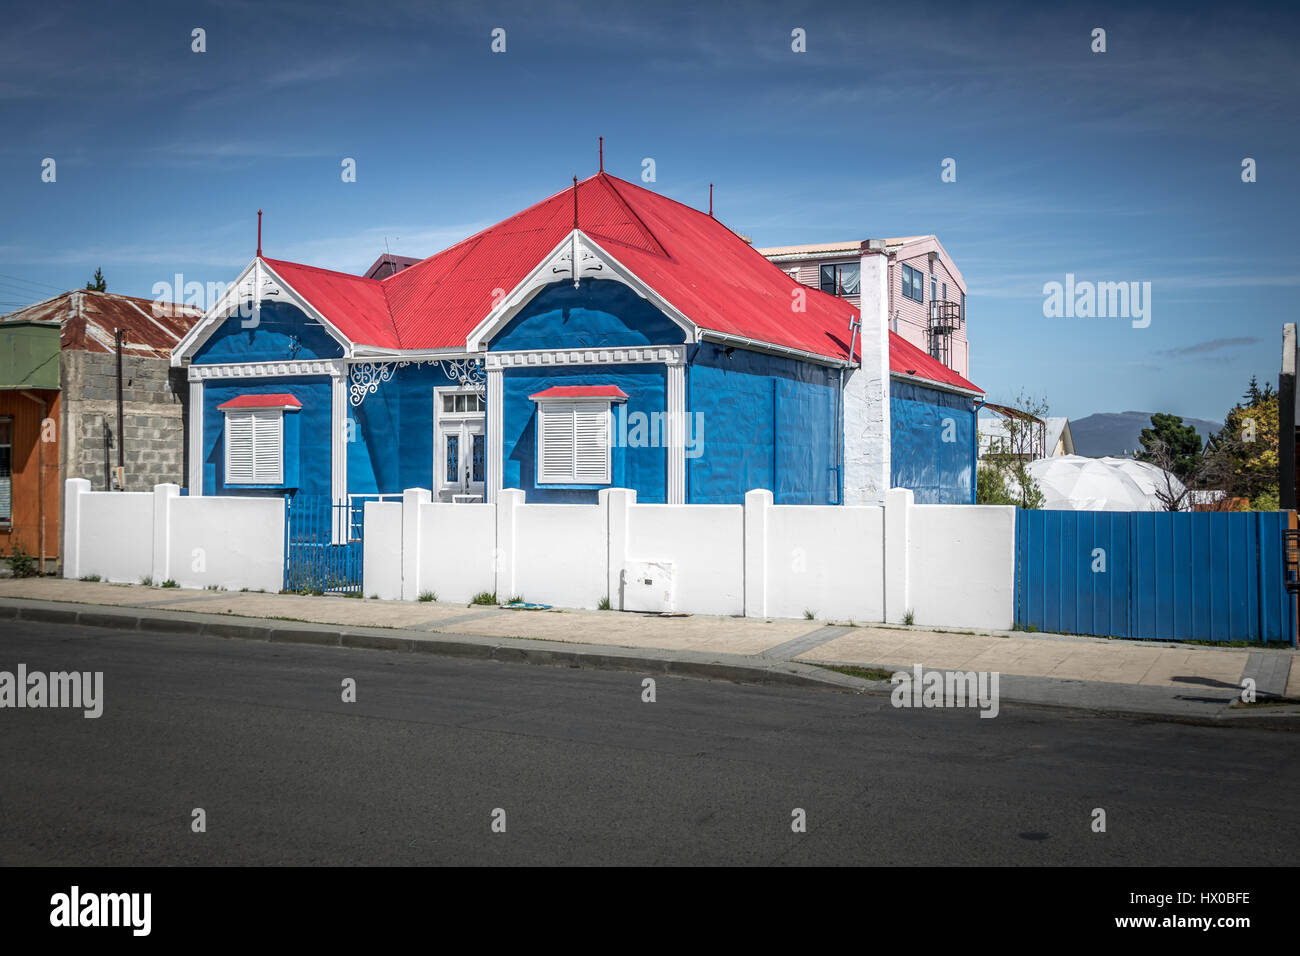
{"type": "Point", "coordinates": [40, 477]}
{"type": "Point", "coordinates": [975, 454]}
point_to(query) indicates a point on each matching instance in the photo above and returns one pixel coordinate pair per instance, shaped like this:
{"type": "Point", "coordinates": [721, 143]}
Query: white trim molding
{"type": "Point", "coordinates": [196, 438]}
{"type": "Point", "coordinates": [201, 373]}
{"type": "Point", "coordinates": [258, 282]}
{"type": "Point", "coordinates": [339, 455]}
{"type": "Point", "coordinates": [494, 425]}
{"type": "Point", "coordinates": [626, 355]}
{"type": "Point", "coordinates": [677, 434]}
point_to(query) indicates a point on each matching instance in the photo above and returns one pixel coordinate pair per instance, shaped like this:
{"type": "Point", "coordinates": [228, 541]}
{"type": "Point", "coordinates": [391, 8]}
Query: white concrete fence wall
{"type": "Point", "coordinates": [949, 565]}
{"type": "Point", "coordinates": [231, 543]}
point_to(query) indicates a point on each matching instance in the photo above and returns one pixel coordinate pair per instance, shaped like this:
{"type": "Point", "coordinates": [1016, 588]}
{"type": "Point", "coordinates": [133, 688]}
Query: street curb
{"type": "Point", "coordinates": [686, 664]}
{"type": "Point", "coordinates": [505, 650]}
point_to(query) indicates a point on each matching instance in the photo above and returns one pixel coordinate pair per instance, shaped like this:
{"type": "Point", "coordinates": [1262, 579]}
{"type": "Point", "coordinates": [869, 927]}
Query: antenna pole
{"type": "Point", "coordinates": [575, 202]}
{"type": "Point", "coordinates": [602, 154]}
{"type": "Point", "coordinates": [259, 234]}
{"type": "Point", "coordinates": [710, 199]}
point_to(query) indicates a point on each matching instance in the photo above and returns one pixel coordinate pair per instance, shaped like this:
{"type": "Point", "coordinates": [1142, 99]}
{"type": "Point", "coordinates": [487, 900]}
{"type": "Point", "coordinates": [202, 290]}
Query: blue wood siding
{"type": "Point", "coordinates": [633, 465]}
{"type": "Point", "coordinates": [766, 422]}
{"type": "Point", "coordinates": [932, 436]}
{"type": "Point", "coordinates": [599, 313]}
{"type": "Point", "coordinates": [306, 435]}
{"type": "Point", "coordinates": [283, 332]}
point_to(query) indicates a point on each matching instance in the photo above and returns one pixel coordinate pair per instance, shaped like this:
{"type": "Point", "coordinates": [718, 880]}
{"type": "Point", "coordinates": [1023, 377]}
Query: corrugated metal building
{"type": "Point", "coordinates": [58, 406]}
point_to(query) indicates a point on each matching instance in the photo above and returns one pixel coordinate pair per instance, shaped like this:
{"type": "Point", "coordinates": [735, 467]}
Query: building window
{"type": "Point", "coordinates": [6, 472]}
{"type": "Point", "coordinates": [573, 443]}
{"type": "Point", "coordinates": [463, 402]}
{"type": "Point", "coordinates": [945, 292]}
{"type": "Point", "coordinates": [255, 447]}
{"type": "Point", "coordinates": [933, 291]}
{"type": "Point", "coordinates": [913, 284]}
{"type": "Point", "coordinates": [963, 306]}
{"type": "Point", "coordinates": [840, 278]}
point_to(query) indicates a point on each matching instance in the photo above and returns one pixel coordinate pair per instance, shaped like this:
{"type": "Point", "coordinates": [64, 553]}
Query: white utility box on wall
{"type": "Point", "coordinates": [649, 586]}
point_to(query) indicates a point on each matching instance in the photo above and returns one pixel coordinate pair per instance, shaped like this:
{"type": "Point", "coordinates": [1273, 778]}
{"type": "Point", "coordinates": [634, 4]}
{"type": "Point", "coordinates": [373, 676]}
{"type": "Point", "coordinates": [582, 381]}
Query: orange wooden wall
{"type": "Point", "coordinates": [26, 415]}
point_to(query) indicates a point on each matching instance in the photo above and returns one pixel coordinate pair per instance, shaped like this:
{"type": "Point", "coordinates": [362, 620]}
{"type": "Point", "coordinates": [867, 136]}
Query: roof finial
{"type": "Point", "coordinates": [575, 202]}
{"type": "Point", "coordinates": [602, 154]}
{"type": "Point", "coordinates": [710, 199]}
{"type": "Point", "coordinates": [259, 234]}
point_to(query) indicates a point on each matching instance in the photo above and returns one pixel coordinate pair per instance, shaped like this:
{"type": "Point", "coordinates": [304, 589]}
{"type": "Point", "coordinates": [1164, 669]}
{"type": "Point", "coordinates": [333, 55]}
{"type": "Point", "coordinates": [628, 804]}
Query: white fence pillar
{"type": "Point", "coordinates": [616, 501]}
{"type": "Point", "coordinates": [162, 495]}
{"type": "Point", "coordinates": [898, 506]}
{"type": "Point", "coordinates": [757, 503]}
{"type": "Point", "coordinates": [412, 498]}
{"type": "Point", "coordinates": [74, 488]}
{"type": "Point", "coordinates": [503, 555]}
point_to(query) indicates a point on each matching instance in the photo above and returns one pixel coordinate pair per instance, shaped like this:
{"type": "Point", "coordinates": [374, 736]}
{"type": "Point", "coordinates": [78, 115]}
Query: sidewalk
{"type": "Point", "coordinates": [1092, 673]}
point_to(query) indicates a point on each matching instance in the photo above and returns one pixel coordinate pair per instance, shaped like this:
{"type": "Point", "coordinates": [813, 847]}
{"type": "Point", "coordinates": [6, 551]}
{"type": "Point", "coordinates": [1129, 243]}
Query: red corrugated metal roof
{"type": "Point", "coordinates": [905, 359]}
{"type": "Point", "coordinates": [277, 400]}
{"type": "Point", "coordinates": [87, 320]}
{"type": "Point", "coordinates": [612, 392]}
{"type": "Point", "coordinates": [698, 265]}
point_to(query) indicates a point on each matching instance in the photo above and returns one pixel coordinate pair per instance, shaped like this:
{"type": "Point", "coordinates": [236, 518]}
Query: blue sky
{"type": "Point", "coordinates": [1116, 167]}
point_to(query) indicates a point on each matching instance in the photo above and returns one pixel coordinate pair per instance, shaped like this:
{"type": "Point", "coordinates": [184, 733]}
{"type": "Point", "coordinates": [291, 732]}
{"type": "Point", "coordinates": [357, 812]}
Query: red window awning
{"type": "Point", "coordinates": [276, 400]}
{"type": "Point", "coordinates": [604, 393]}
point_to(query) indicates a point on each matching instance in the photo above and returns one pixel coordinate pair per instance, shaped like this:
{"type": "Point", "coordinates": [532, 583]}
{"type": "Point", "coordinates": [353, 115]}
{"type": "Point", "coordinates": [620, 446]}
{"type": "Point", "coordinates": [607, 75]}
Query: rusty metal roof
{"type": "Point", "coordinates": [88, 319]}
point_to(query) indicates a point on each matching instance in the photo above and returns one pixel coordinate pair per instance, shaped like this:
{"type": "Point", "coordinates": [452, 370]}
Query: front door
{"type": "Point", "coordinates": [460, 451]}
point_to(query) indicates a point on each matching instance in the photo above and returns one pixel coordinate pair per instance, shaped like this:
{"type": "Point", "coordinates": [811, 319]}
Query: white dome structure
{"type": "Point", "coordinates": [1075, 483]}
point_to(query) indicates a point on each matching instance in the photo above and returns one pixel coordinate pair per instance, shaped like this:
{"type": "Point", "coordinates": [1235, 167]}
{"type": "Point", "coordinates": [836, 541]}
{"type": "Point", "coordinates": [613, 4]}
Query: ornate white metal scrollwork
{"type": "Point", "coordinates": [467, 373]}
{"type": "Point", "coordinates": [366, 377]}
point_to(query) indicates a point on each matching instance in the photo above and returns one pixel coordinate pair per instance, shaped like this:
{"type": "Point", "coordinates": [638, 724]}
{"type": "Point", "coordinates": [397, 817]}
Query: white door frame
{"type": "Point", "coordinates": [466, 425]}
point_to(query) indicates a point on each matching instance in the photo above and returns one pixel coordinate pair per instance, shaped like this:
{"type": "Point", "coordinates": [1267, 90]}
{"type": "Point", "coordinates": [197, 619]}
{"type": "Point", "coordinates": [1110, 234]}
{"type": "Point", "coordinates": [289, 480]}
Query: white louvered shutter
{"type": "Point", "coordinates": [268, 447]}
{"type": "Point", "coordinates": [591, 443]}
{"type": "Point", "coordinates": [239, 449]}
{"type": "Point", "coordinates": [555, 443]}
{"type": "Point", "coordinates": [573, 443]}
{"type": "Point", "coordinates": [255, 448]}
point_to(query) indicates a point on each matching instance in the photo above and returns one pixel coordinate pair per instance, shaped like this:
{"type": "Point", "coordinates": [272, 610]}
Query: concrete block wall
{"type": "Point", "coordinates": [946, 565]}
{"type": "Point", "coordinates": [224, 542]}
{"type": "Point", "coordinates": [154, 398]}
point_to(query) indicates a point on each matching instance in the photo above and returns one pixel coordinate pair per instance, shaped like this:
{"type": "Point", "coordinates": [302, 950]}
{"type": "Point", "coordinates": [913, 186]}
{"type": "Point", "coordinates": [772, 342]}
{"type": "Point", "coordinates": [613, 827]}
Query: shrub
{"type": "Point", "coordinates": [23, 564]}
{"type": "Point", "coordinates": [604, 604]}
{"type": "Point", "coordinates": [484, 597]}
{"type": "Point", "coordinates": [428, 596]}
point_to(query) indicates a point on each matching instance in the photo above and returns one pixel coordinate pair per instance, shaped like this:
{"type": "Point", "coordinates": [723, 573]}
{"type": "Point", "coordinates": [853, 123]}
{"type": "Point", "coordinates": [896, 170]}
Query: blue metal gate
{"type": "Point", "coordinates": [1170, 576]}
{"type": "Point", "coordinates": [322, 547]}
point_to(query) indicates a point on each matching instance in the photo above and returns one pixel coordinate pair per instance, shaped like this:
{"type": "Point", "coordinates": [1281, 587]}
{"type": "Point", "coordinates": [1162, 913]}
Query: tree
{"type": "Point", "coordinates": [1178, 446]}
{"type": "Point", "coordinates": [1022, 440]}
{"type": "Point", "coordinates": [97, 284]}
{"type": "Point", "coordinates": [1255, 395]}
{"type": "Point", "coordinates": [1241, 459]}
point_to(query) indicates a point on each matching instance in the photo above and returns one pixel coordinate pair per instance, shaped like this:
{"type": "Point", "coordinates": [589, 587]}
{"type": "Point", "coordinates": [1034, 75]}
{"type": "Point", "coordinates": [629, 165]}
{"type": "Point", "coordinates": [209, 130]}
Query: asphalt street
{"type": "Point", "coordinates": [586, 772]}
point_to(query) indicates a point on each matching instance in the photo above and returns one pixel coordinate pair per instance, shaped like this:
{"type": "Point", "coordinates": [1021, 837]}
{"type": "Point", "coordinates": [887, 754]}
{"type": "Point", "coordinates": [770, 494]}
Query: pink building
{"type": "Point", "coordinates": [926, 298]}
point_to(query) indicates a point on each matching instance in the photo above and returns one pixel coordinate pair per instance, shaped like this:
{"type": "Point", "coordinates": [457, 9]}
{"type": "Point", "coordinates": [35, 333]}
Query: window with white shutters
{"type": "Point", "coordinates": [255, 447]}
{"type": "Point", "coordinates": [573, 443]}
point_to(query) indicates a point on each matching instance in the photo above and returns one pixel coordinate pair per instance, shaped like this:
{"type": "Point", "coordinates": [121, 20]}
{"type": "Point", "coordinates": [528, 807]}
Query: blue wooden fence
{"type": "Point", "coordinates": [1167, 575]}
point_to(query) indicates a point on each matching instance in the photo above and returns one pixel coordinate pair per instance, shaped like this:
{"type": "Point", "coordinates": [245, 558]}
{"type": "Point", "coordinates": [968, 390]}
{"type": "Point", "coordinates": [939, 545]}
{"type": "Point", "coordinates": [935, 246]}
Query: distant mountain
{"type": "Point", "coordinates": [1116, 433]}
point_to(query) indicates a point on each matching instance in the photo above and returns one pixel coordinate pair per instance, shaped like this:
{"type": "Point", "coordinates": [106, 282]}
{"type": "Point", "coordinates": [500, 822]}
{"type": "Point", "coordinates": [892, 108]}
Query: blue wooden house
{"type": "Point", "coordinates": [604, 337]}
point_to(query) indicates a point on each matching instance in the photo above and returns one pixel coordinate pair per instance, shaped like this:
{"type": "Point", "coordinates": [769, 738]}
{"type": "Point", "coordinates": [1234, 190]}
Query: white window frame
{"type": "Point", "coordinates": [569, 406]}
{"type": "Point", "coordinates": [252, 414]}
